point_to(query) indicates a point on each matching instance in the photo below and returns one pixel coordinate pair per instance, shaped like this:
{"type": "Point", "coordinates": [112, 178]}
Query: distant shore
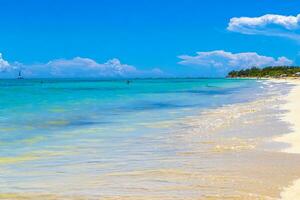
{"type": "Point", "coordinates": [267, 72]}
{"type": "Point", "coordinates": [279, 79]}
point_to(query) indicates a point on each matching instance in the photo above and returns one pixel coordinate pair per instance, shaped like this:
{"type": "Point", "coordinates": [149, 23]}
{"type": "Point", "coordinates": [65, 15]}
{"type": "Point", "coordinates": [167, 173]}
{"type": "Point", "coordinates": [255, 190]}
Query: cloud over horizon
{"type": "Point", "coordinates": [76, 67]}
{"type": "Point", "coordinates": [269, 25]}
{"type": "Point", "coordinates": [220, 62]}
{"type": "Point", "coordinates": [211, 63]}
{"type": "Point", "coordinates": [4, 65]}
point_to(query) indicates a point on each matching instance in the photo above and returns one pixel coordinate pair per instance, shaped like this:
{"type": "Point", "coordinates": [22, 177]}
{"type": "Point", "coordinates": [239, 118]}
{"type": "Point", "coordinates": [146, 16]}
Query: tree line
{"type": "Point", "coordinates": [275, 71]}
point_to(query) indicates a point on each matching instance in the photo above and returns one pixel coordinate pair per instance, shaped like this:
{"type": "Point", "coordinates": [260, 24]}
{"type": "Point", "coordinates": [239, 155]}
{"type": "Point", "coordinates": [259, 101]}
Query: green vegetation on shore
{"type": "Point", "coordinates": [276, 72]}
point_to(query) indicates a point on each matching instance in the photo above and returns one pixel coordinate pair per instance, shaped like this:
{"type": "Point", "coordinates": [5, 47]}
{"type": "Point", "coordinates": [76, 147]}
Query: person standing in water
{"type": "Point", "coordinates": [20, 75]}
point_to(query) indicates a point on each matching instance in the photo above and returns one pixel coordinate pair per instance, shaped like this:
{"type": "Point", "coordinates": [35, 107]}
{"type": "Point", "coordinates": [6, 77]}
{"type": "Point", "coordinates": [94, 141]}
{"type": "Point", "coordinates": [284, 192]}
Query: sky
{"type": "Point", "coordinates": [145, 38]}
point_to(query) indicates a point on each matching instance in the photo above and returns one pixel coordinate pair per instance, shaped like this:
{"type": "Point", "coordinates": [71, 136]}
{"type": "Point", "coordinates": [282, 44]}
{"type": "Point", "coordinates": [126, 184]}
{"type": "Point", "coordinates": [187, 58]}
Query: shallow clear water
{"type": "Point", "coordinates": [111, 138]}
{"type": "Point", "coordinates": [31, 108]}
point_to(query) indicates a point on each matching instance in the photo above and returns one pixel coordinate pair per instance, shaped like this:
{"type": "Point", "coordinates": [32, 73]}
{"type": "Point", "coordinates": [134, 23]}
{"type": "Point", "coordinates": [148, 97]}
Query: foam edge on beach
{"type": "Point", "coordinates": [292, 116]}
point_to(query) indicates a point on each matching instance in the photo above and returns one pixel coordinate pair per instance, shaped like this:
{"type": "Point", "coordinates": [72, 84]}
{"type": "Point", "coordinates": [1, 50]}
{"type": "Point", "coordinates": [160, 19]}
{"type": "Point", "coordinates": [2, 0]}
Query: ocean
{"type": "Point", "coordinates": [139, 139]}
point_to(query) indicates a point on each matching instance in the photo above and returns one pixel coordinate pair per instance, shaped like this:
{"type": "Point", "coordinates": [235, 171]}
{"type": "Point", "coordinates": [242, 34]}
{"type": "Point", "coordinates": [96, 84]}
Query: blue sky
{"type": "Point", "coordinates": [50, 38]}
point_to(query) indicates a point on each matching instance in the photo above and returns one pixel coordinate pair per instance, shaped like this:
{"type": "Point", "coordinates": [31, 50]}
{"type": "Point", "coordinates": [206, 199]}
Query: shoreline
{"type": "Point", "coordinates": [292, 107]}
{"type": "Point", "coordinates": [292, 139]}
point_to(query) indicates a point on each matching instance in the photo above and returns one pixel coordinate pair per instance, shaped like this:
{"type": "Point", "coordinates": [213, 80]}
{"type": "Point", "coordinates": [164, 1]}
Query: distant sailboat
{"type": "Point", "coordinates": [20, 75]}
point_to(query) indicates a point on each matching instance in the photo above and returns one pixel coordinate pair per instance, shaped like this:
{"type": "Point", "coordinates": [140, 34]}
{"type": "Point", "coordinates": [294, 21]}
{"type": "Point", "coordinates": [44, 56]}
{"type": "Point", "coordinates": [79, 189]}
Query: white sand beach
{"type": "Point", "coordinates": [292, 106]}
{"type": "Point", "coordinates": [292, 116]}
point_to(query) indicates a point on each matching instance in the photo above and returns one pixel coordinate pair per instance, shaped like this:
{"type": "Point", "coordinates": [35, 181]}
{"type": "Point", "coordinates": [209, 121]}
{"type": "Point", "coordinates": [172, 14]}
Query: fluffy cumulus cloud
{"type": "Point", "coordinates": [77, 67]}
{"type": "Point", "coordinates": [270, 24]}
{"type": "Point", "coordinates": [4, 65]}
{"type": "Point", "coordinates": [220, 62]}
{"type": "Point", "coordinates": [86, 67]}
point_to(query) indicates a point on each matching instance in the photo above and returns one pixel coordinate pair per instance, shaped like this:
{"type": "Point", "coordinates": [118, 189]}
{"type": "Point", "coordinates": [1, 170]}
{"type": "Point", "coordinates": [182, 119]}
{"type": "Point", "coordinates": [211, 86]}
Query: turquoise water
{"type": "Point", "coordinates": [42, 107]}
{"type": "Point", "coordinates": [48, 125]}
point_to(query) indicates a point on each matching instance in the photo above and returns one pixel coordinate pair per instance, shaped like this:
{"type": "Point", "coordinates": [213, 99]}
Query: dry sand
{"type": "Point", "coordinates": [292, 106]}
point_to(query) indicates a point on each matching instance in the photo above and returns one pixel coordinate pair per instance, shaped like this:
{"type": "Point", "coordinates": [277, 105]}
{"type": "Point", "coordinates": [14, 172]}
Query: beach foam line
{"type": "Point", "coordinates": [292, 106]}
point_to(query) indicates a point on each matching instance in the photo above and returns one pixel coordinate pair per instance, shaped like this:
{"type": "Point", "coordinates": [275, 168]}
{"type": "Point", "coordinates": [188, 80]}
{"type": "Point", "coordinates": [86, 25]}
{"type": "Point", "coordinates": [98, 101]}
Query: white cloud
{"type": "Point", "coordinates": [4, 65]}
{"type": "Point", "coordinates": [221, 62]}
{"type": "Point", "coordinates": [270, 24]}
{"type": "Point", "coordinates": [78, 67]}
{"type": "Point", "coordinates": [86, 67]}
